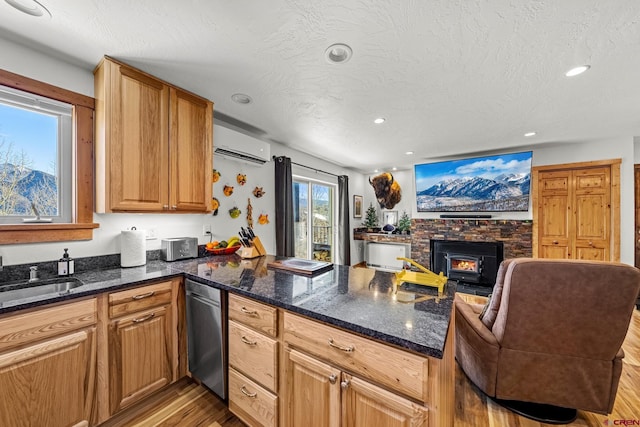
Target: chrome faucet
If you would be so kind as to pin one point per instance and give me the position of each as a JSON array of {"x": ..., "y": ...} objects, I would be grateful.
[{"x": 33, "y": 273}]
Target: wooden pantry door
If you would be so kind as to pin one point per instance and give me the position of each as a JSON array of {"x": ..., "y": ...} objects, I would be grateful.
[{"x": 576, "y": 211}]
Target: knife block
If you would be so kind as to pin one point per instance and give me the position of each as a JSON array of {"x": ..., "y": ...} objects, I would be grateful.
[{"x": 255, "y": 250}]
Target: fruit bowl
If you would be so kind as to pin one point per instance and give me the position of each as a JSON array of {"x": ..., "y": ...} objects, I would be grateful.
[{"x": 224, "y": 251}]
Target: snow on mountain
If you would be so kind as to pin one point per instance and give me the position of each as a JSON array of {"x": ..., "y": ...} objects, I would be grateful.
[{"x": 504, "y": 186}]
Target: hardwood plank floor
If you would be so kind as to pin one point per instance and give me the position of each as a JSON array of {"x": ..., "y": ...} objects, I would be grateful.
[{"x": 187, "y": 404}]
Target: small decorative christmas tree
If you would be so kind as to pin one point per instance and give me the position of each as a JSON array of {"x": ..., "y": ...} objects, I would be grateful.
[
  {"x": 404, "y": 223},
  {"x": 371, "y": 218}
]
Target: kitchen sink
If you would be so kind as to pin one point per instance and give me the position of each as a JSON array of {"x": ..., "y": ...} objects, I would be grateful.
[{"x": 40, "y": 287}]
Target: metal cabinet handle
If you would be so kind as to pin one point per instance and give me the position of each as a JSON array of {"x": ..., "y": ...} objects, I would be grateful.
[
  {"x": 174, "y": 207},
  {"x": 344, "y": 384},
  {"x": 340, "y": 347},
  {"x": 333, "y": 378},
  {"x": 590, "y": 243},
  {"x": 143, "y": 296},
  {"x": 144, "y": 319},
  {"x": 244, "y": 391},
  {"x": 248, "y": 312},
  {"x": 247, "y": 342},
  {"x": 555, "y": 242},
  {"x": 165, "y": 206}
]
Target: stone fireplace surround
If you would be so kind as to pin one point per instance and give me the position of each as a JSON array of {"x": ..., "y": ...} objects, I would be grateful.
[{"x": 516, "y": 236}]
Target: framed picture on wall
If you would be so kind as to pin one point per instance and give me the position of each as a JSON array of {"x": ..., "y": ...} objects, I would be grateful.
[
  {"x": 390, "y": 217},
  {"x": 357, "y": 206}
]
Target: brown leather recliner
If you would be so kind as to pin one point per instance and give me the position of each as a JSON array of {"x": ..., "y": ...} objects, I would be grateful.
[{"x": 551, "y": 333}]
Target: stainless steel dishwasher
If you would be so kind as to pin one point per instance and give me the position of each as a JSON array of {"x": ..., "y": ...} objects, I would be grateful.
[{"x": 205, "y": 339}]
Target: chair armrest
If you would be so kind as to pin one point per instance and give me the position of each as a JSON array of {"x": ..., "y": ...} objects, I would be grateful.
[{"x": 471, "y": 314}]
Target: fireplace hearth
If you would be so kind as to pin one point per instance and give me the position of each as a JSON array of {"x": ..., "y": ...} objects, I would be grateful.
[{"x": 467, "y": 261}]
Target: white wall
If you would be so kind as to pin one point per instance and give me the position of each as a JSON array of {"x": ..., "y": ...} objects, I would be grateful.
[
  {"x": 625, "y": 148},
  {"x": 24, "y": 61}
]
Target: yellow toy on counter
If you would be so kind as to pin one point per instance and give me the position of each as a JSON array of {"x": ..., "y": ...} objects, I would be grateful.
[{"x": 425, "y": 278}]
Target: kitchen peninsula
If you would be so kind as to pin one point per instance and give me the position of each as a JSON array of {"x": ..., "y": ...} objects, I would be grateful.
[{"x": 375, "y": 339}]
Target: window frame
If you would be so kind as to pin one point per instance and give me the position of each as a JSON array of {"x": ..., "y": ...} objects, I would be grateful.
[
  {"x": 19, "y": 99},
  {"x": 81, "y": 225}
]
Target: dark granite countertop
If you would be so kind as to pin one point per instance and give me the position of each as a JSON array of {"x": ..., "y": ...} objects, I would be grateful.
[{"x": 361, "y": 300}]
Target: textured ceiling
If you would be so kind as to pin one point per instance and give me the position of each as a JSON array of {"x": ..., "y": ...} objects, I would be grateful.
[{"x": 451, "y": 77}]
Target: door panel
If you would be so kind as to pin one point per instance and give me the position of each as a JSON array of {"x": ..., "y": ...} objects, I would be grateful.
[
  {"x": 139, "y": 157},
  {"x": 573, "y": 215},
  {"x": 313, "y": 388},
  {"x": 50, "y": 383},
  {"x": 365, "y": 404}
]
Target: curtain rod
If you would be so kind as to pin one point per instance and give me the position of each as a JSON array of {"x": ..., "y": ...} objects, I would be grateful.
[{"x": 313, "y": 169}]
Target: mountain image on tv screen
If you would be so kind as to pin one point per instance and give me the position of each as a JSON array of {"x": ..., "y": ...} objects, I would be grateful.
[{"x": 482, "y": 184}]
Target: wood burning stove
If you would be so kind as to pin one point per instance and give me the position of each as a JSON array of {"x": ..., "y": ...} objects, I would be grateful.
[
  {"x": 464, "y": 268},
  {"x": 466, "y": 261}
]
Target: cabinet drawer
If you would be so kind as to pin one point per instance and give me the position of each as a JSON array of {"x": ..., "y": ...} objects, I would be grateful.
[
  {"x": 399, "y": 370},
  {"x": 258, "y": 316},
  {"x": 253, "y": 354},
  {"x": 132, "y": 300},
  {"x": 250, "y": 402},
  {"x": 22, "y": 328}
]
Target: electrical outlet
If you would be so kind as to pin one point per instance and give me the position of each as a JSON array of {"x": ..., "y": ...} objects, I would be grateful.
[
  {"x": 152, "y": 233},
  {"x": 206, "y": 229}
]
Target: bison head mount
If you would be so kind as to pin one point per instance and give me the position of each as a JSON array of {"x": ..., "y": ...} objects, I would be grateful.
[{"x": 387, "y": 190}]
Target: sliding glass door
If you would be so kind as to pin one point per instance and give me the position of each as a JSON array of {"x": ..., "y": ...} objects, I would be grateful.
[{"x": 314, "y": 219}]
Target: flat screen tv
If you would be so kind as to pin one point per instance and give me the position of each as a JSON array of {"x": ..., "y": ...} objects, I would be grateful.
[{"x": 498, "y": 183}]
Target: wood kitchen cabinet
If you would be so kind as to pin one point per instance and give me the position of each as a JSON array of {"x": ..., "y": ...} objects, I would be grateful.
[
  {"x": 322, "y": 395},
  {"x": 253, "y": 361},
  {"x": 48, "y": 366},
  {"x": 142, "y": 343},
  {"x": 333, "y": 377},
  {"x": 153, "y": 143}
]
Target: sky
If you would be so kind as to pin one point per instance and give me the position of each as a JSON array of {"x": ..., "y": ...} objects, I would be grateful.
[
  {"x": 32, "y": 132},
  {"x": 429, "y": 174}
]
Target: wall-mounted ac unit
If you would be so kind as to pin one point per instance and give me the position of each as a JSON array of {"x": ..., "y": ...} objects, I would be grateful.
[{"x": 238, "y": 146}]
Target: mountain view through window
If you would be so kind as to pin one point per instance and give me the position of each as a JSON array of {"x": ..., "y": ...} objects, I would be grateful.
[{"x": 30, "y": 144}]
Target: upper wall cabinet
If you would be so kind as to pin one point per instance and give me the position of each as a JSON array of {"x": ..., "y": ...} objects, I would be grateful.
[{"x": 153, "y": 143}]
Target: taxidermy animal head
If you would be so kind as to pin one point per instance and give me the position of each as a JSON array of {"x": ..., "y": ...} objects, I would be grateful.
[{"x": 387, "y": 190}]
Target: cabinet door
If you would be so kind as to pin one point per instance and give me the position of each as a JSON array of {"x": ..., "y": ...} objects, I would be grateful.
[
  {"x": 312, "y": 392},
  {"x": 140, "y": 355},
  {"x": 554, "y": 212},
  {"x": 139, "y": 143},
  {"x": 593, "y": 214},
  {"x": 50, "y": 383},
  {"x": 366, "y": 405},
  {"x": 191, "y": 160}
]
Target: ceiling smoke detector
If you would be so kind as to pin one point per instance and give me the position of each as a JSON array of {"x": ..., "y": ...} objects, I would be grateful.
[
  {"x": 30, "y": 7},
  {"x": 338, "y": 53},
  {"x": 241, "y": 98}
]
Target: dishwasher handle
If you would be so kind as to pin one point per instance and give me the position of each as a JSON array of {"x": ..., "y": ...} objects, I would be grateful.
[{"x": 203, "y": 299}]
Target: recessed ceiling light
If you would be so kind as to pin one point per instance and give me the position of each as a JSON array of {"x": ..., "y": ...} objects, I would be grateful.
[
  {"x": 379, "y": 120},
  {"x": 30, "y": 7},
  {"x": 408, "y": 153},
  {"x": 338, "y": 53},
  {"x": 394, "y": 168},
  {"x": 241, "y": 98},
  {"x": 376, "y": 171},
  {"x": 577, "y": 70},
  {"x": 528, "y": 134}
]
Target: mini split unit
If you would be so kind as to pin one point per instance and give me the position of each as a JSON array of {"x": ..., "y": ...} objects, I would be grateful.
[{"x": 238, "y": 146}]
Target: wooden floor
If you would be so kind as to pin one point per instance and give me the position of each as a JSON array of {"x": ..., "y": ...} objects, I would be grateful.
[{"x": 186, "y": 404}]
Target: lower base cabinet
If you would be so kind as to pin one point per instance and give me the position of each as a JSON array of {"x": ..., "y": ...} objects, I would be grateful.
[
  {"x": 251, "y": 402},
  {"x": 318, "y": 394},
  {"x": 141, "y": 351},
  {"x": 48, "y": 366}
]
